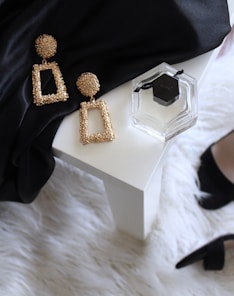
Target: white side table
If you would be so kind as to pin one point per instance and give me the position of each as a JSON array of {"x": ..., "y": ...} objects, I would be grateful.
[{"x": 131, "y": 165}]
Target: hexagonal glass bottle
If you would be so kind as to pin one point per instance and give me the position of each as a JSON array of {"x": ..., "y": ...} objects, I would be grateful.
[{"x": 164, "y": 102}]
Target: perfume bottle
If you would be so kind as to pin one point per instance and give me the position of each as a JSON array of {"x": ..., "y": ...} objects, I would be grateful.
[{"x": 164, "y": 102}]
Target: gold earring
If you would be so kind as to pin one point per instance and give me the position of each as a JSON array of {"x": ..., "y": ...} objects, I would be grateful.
[
  {"x": 46, "y": 46},
  {"x": 88, "y": 84}
]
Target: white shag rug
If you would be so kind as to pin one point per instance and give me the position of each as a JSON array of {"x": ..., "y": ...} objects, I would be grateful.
[{"x": 65, "y": 243}]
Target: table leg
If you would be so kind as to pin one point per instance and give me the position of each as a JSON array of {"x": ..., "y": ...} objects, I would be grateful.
[{"x": 134, "y": 210}]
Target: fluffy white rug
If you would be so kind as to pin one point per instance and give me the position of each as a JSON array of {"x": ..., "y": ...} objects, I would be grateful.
[{"x": 65, "y": 243}]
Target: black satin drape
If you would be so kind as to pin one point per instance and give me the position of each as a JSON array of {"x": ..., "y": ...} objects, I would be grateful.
[{"x": 116, "y": 40}]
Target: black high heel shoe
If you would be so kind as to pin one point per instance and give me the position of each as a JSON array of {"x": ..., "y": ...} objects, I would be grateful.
[
  {"x": 212, "y": 181},
  {"x": 212, "y": 254}
]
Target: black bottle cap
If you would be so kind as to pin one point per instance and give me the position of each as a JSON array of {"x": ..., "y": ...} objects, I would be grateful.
[{"x": 166, "y": 89}]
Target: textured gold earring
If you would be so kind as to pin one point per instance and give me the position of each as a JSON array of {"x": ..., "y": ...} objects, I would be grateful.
[
  {"x": 46, "y": 47},
  {"x": 88, "y": 84}
]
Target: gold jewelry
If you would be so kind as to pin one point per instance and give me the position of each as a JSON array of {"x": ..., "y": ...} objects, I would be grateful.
[
  {"x": 46, "y": 46},
  {"x": 88, "y": 84}
]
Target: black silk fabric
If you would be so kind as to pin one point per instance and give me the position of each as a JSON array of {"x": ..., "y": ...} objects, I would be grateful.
[{"x": 116, "y": 40}]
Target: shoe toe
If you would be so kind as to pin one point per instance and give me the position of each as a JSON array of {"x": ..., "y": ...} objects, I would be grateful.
[{"x": 218, "y": 191}]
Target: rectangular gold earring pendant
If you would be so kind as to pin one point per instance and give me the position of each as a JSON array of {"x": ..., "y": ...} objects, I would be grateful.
[
  {"x": 107, "y": 134},
  {"x": 60, "y": 96}
]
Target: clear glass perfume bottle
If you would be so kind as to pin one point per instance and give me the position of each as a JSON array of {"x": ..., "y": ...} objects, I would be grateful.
[{"x": 164, "y": 102}]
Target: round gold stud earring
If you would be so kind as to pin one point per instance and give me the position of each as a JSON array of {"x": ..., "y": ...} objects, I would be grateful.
[
  {"x": 46, "y": 46},
  {"x": 88, "y": 84}
]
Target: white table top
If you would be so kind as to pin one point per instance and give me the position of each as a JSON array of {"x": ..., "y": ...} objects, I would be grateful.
[{"x": 133, "y": 156}]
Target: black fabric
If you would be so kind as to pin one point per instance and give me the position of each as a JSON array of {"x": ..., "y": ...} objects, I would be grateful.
[{"x": 116, "y": 40}]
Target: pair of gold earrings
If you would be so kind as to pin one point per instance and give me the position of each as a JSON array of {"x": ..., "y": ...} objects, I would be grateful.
[{"x": 87, "y": 83}]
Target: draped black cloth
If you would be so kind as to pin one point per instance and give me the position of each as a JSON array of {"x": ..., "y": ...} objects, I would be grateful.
[{"x": 116, "y": 40}]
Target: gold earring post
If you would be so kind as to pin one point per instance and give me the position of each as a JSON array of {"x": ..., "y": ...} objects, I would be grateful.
[
  {"x": 88, "y": 85},
  {"x": 46, "y": 46}
]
